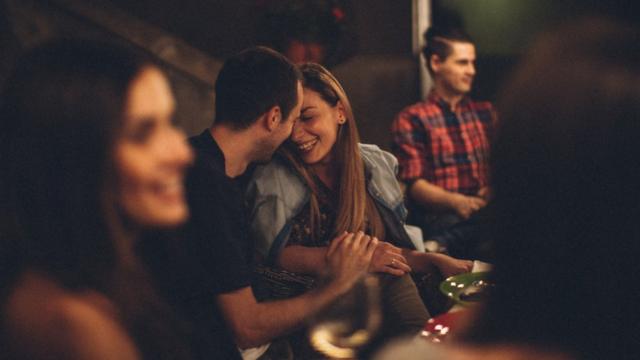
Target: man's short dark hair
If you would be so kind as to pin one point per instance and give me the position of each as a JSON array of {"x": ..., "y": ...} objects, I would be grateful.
[
  {"x": 252, "y": 82},
  {"x": 438, "y": 39}
]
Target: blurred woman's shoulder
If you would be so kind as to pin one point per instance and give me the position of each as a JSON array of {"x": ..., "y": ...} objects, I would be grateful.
[
  {"x": 419, "y": 348},
  {"x": 44, "y": 320}
]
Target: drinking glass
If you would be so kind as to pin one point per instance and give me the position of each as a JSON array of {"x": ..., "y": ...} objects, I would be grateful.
[{"x": 350, "y": 322}]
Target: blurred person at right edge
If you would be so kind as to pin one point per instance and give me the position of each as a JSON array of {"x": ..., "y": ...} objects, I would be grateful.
[{"x": 565, "y": 175}]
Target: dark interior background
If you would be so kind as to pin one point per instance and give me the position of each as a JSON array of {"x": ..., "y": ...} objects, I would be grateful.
[{"x": 191, "y": 38}]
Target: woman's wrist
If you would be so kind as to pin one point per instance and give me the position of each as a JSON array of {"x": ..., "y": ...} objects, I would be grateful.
[{"x": 422, "y": 262}]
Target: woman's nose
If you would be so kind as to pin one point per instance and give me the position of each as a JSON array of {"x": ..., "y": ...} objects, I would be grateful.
[
  {"x": 298, "y": 130},
  {"x": 177, "y": 151}
]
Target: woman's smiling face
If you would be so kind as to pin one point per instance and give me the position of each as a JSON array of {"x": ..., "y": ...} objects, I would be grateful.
[
  {"x": 315, "y": 134},
  {"x": 151, "y": 155}
]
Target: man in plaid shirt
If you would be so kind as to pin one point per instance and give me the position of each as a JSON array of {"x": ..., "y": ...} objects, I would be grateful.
[{"x": 442, "y": 144}]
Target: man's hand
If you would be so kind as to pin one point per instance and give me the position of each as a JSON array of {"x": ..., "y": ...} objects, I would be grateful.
[
  {"x": 348, "y": 257},
  {"x": 388, "y": 258},
  {"x": 465, "y": 206},
  {"x": 437, "y": 199},
  {"x": 485, "y": 193}
]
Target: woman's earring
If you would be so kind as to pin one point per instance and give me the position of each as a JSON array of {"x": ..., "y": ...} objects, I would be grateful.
[{"x": 341, "y": 120}]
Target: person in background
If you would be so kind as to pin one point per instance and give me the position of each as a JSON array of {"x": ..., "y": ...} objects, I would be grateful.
[
  {"x": 258, "y": 99},
  {"x": 307, "y": 31},
  {"x": 324, "y": 183},
  {"x": 565, "y": 181},
  {"x": 90, "y": 160},
  {"x": 442, "y": 143}
]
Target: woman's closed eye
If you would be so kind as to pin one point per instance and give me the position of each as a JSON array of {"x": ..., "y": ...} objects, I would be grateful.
[
  {"x": 141, "y": 132},
  {"x": 307, "y": 115},
  {"x": 143, "y": 128}
]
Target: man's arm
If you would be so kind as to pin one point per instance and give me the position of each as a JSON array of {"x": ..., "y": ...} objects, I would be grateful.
[
  {"x": 254, "y": 324},
  {"x": 436, "y": 198},
  {"x": 412, "y": 148},
  {"x": 303, "y": 259}
]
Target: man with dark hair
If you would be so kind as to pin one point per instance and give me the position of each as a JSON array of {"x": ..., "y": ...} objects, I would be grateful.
[
  {"x": 258, "y": 99},
  {"x": 251, "y": 83},
  {"x": 442, "y": 143}
]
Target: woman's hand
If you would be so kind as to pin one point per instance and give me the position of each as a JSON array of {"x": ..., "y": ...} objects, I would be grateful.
[
  {"x": 388, "y": 258},
  {"x": 449, "y": 266}
]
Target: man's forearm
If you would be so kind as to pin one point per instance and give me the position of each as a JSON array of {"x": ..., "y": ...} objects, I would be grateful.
[
  {"x": 431, "y": 196},
  {"x": 303, "y": 259},
  {"x": 254, "y": 323},
  {"x": 348, "y": 258}
]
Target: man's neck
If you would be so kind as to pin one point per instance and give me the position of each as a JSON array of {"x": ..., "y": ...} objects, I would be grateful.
[
  {"x": 453, "y": 99},
  {"x": 235, "y": 146}
]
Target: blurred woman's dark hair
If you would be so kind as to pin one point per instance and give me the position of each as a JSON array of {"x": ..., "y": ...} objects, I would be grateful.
[
  {"x": 61, "y": 112},
  {"x": 565, "y": 179}
]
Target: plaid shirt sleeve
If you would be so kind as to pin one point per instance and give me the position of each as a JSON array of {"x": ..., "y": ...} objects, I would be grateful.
[{"x": 410, "y": 145}]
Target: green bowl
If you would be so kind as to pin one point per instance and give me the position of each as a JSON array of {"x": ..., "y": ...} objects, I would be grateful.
[{"x": 453, "y": 286}]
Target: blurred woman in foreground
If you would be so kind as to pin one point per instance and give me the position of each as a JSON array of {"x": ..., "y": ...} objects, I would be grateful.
[
  {"x": 90, "y": 160},
  {"x": 566, "y": 174}
]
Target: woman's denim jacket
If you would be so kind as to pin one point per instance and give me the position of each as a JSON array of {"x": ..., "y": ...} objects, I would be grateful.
[{"x": 276, "y": 194}]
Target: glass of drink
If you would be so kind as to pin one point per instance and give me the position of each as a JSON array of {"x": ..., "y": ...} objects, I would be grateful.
[{"x": 348, "y": 323}]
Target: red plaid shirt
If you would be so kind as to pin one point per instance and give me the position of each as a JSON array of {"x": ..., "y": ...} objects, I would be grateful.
[{"x": 448, "y": 149}]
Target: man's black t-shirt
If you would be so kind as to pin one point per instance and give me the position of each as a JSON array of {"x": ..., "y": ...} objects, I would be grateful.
[
  {"x": 218, "y": 229},
  {"x": 214, "y": 256}
]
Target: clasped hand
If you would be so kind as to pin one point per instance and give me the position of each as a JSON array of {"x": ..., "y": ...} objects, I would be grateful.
[{"x": 389, "y": 259}]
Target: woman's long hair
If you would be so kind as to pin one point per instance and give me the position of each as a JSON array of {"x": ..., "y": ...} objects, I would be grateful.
[
  {"x": 61, "y": 113},
  {"x": 356, "y": 209},
  {"x": 565, "y": 174}
]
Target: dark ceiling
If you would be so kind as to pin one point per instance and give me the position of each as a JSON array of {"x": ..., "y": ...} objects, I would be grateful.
[{"x": 223, "y": 27}]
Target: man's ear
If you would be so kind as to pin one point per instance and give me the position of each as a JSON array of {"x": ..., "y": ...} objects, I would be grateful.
[
  {"x": 272, "y": 118},
  {"x": 435, "y": 62}
]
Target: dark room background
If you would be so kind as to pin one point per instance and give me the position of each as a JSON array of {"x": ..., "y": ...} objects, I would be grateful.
[{"x": 376, "y": 61}]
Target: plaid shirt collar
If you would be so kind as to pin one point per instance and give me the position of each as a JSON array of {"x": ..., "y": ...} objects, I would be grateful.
[{"x": 443, "y": 104}]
